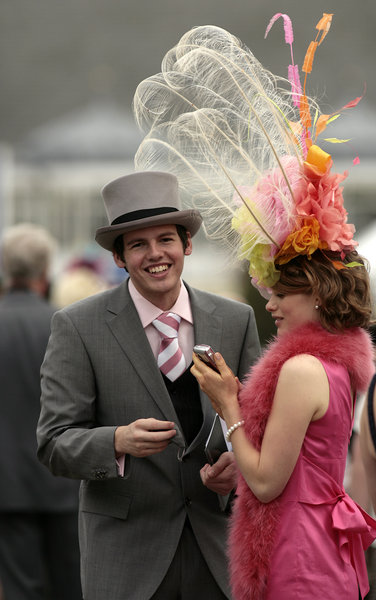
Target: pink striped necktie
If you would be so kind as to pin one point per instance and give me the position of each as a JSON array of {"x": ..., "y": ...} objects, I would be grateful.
[{"x": 171, "y": 360}]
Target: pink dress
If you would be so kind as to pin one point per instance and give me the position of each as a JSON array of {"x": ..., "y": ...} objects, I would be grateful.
[{"x": 318, "y": 552}]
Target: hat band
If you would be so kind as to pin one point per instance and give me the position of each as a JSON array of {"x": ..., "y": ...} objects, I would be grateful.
[{"x": 143, "y": 214}]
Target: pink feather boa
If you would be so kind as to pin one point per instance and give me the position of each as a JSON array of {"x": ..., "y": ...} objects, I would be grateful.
[{"x": 253, "y": 523}]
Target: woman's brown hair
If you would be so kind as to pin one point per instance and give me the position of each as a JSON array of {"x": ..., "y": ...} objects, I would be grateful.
[{"x": 345, "y": 297}]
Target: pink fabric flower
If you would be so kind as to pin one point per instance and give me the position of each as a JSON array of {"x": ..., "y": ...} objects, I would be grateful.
[{"x": 320, "y": 196}]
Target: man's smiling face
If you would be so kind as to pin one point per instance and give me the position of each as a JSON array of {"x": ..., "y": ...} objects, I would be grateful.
[{"x": 154, "y": 259}]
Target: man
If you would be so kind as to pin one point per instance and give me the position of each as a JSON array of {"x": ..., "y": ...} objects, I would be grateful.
[
  {"x": 149, "y": 527},
  {"x": 39, "y": 554}
]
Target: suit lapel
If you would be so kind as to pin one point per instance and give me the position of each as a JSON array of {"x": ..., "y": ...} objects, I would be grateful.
[{"x": 207, "y": 325}]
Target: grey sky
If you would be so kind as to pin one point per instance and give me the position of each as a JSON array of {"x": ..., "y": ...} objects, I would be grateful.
[{"x": 58, "y": 56}]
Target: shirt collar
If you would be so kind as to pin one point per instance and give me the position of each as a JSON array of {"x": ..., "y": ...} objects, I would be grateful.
[{"x": 148, "y": 311}]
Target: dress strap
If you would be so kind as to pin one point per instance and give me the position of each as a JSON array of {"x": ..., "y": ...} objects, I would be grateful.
[{"x": 371, "y": 415}]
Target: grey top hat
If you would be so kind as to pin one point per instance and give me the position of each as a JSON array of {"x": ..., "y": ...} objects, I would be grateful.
[{"x": 143, "y": 199}]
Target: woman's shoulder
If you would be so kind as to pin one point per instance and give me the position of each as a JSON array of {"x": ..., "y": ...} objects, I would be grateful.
[
  {"x": 303, "y": 373},
  {"x": 303, "y": 365},
  {"x": 303, "y": 382}
]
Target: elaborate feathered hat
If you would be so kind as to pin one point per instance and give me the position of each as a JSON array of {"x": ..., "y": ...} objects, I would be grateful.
[{"x": 243, "y": 146}]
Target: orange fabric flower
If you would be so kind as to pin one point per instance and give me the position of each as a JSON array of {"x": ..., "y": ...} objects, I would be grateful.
[{"x": 302, "y": 241}]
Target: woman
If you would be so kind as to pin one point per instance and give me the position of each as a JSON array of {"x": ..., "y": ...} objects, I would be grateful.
[
  {"x": 243, "y": 143},
  {"x": 295, "y": 532}
]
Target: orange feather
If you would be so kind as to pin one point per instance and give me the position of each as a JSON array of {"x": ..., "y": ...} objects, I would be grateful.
[
  {"x": 308, "y": 59},
  {"x": 324, "y": 25}
]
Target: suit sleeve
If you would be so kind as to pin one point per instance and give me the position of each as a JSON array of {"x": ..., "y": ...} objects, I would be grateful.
[{"x": 70, "y": 443}]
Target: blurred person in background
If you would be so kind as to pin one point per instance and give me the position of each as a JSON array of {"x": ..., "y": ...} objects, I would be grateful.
[
  {"x": 363, "y": 462},
  {"x": 79, "y": 280},
  {"x": 39, "y": 554},
  {"x": 356, "y": 478},
  {"x": 368, "y": 440}
]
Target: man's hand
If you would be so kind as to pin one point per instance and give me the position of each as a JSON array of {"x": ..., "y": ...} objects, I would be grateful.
[
  {"x": 143, "y": 437},
  {"x": 222, "y": 476}
]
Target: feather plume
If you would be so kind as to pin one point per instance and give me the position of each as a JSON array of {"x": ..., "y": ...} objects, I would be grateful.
[
  {"x": 289, "y": 35},
  {"x": 293, "y": 70},
  {"x": 220, "y": 122},
  {"x": 323, "y": 26}
]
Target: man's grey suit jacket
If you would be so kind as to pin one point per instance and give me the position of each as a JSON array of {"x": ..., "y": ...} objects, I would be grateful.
[{"x": 99, "y": 372}]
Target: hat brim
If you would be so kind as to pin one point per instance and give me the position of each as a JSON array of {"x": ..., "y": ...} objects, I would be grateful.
[{"x": 190, "y": 219}]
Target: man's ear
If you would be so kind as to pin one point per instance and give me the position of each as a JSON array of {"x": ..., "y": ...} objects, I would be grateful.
[
  {"x": 120, "y": 262},
  {"x": 189, "y": 247}
]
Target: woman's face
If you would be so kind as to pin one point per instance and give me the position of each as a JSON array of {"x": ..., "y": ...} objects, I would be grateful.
[{"x": 292, "y": 310}]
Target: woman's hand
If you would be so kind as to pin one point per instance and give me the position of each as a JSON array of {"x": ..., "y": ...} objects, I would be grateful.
[
  {"x": 222, "y": 476},
  {"x": 221, "y": 388}
]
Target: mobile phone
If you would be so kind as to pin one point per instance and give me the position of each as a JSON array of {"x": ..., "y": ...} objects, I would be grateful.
[{"x": 206, "y": 354}]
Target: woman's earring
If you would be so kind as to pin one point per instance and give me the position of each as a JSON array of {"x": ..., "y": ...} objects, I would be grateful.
[{"x": 317, "y": 307}]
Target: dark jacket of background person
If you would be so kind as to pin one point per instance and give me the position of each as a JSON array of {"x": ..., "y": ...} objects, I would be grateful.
[
  {"x": 38, "y": 512},
  {"x": 25, "y": 484}
]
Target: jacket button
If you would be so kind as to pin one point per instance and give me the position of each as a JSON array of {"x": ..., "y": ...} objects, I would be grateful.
[{"x": 187, "y": 501}]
